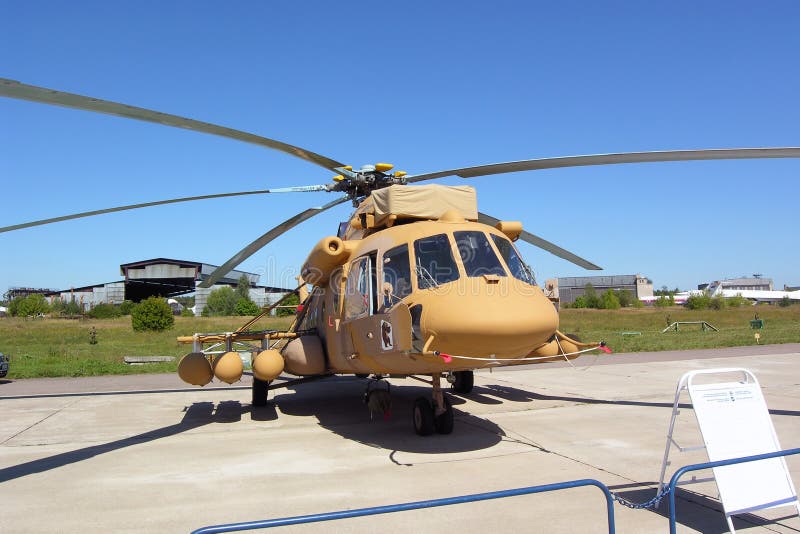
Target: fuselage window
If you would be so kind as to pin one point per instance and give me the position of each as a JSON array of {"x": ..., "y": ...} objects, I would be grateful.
[
  {"x": 434, "y": 261},
  {"x": 314, "y": 309},
  {"x": 515, "y": 264},
  {"x": 477, "y": 254},
  {"x": 396, "y": 275},
  {"x": 360, "y": 294}
]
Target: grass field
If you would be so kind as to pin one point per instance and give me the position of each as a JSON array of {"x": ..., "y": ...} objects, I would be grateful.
[
  {"x": 781, "y": 325},
  {"x": 60, "y": 347}
]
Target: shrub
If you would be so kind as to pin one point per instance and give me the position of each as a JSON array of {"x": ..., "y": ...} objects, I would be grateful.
[
  {"x": 247, "y": 307},
  {"x": 30, "y": 305},
  {"x": 698, "y": 302},
  {"x": 716, "y": 303},
  {"x": 187, "y": 312},
  {"x": 626, "y": 298},
  {"x": 662, "y": 302},
  {"x": 736, "y": 301},
  {"x": 68, "y": 308},
  {"x": 126, "y": 307},
  {"x": 591, "y": 298},
  {"x": 785, "y": 302},
  {"x": 221, "y": 301},
  {"x": 291, "y": 300},
  {"x": 580, "y": 302},
  {"x": 610, "y": 300},
  {"x": 104, "y": 311},
  {"x": 153, "y": 314}
]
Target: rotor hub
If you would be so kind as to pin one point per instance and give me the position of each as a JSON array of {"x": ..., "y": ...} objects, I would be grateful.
[{"x": 359, "y": 184}]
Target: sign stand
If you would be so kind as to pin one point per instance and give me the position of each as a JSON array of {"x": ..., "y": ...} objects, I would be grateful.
[{"x": 734, "y": 422}]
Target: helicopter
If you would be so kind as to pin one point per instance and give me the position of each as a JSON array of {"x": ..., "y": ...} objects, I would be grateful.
[{"x": 417, "y": 283}]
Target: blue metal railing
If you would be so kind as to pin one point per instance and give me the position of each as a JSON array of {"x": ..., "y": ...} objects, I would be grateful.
[
  {"x": 361, "y": 512},
  {"x": 696, "y": 467},
  {"x": 314, "y": 518}
]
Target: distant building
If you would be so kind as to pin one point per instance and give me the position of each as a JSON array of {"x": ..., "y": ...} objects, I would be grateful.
[
  {"x": 164, "y": 277},
  {"x": 756, "y": 289},
  {"x": 566, "y": 290},
  {"x": 756, "y": 283},
  {"x": 22, "y": 292}
]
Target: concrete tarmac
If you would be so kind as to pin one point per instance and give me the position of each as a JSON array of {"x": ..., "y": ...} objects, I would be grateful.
[{"x": 144, "y": 453}]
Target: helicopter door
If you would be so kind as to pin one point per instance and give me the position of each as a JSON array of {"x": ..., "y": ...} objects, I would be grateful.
[{"x": 372, "y": 332}]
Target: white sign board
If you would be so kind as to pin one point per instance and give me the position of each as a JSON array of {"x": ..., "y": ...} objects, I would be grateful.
[{"x": 735, "y": 422}]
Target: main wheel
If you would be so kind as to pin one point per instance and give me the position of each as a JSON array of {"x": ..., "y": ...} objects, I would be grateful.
[
  {"x": 260, "y": 392},
  {"x": 464, "y": 381},
  {"x": 444, "y": 421},
  {"x": 424, "y": 423}
]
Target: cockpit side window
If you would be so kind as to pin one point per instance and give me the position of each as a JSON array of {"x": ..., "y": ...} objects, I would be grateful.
[
  {"x": 396, "y": 275},
  {"x": 515, "y": 264},
  {"x": 360, "y": 295},
  {"x": 477, "y": 254},
  {"x": 434, "y": 261}
]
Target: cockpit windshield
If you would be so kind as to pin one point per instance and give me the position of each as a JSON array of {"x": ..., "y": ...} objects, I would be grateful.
[
  {"x": 477, "y": 254},
  {"x": 434, "y": 261},
  {"x": 515, "y": 264}
]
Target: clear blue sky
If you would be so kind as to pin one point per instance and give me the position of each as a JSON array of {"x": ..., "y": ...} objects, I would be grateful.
[{"x": 423, "y": 85}]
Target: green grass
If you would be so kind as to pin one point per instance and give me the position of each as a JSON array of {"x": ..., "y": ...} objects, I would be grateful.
[
  {"x": 781, "y": 325},
  {"x": 60, "y": 347}
]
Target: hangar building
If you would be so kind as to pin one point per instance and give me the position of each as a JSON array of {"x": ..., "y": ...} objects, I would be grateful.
[
  {"x": 166, "y": 278},
  {"x": 570, "y": 288}
]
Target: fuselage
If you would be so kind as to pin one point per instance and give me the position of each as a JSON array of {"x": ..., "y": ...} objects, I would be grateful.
[{"x": 457, "y": 289}]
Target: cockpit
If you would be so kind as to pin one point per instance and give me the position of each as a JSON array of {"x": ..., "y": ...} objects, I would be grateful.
[{"x": 437, "y": 259}]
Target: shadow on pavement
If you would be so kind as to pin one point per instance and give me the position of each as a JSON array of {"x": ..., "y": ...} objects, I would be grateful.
[
  {"x": 696, "y": 511},
  {"x": 337, "y": 404},
  {"x": 197, "y": 415}
]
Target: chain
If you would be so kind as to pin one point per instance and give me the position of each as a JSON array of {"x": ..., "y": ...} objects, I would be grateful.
[{"x": 652, "y": 503}]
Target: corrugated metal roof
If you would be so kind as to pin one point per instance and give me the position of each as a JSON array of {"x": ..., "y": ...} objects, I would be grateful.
[{"x": 598, "y": 281}]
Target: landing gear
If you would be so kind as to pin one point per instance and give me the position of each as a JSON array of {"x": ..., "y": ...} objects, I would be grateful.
[
  {"x": 444, "y": 421},
  {"x": 260, "y": 392},
  {"x": 435, "y": 414},
  {"x": 461, "y": 381},
  {"x": 424, "y": 419}
]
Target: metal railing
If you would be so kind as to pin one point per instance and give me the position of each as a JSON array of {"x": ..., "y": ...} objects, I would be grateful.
[
  {"x": 329, "y": 516},
  {"x": 708, "y": 465},
  {"x": 418, "y": 505}
]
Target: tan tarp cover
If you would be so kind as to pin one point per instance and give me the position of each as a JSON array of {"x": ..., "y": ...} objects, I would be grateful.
[{"x": 421, "y": 202}]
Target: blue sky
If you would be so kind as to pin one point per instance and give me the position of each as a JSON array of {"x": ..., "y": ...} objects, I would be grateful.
[{"x": 424, "y": 85}]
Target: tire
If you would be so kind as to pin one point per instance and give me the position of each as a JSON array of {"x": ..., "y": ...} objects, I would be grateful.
[
  {"x": 424, "y": 424},
  {"x": 260, "y": 392},
  {"x": 464, "y": 381},
  {"x": 444, "y": 422}
]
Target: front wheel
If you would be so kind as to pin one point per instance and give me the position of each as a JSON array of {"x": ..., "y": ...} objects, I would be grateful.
[
  {"x": 444, "y": 421},
  {"x": 260, "y": 392},
  {"x": 424, "y": 419},
  {"x": 463, "y": 381}
]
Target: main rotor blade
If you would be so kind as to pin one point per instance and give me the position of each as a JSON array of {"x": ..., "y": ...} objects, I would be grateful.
[
  {"x": 544, "y": 244},
  {"x": 15, "y": 89},
  {"x": 302, "y": 189},
  {"x": 612, "y": 159},
  {"x": 256, "y": 245}
]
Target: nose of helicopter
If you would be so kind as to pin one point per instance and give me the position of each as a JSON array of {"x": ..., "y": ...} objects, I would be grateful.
[{"x": 505, "y": 318}]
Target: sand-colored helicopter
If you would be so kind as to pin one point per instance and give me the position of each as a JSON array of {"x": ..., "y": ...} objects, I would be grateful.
[{"x": 416, "y": 283}]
